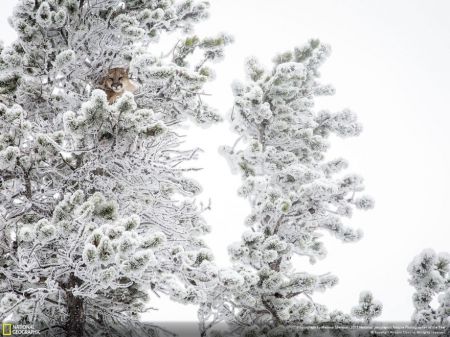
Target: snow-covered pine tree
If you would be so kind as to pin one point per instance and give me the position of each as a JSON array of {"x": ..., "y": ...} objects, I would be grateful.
[
  {"x": 296, "y": 194},
  {"x": 95, "y": 208},
  {"x": 368, "y": 308},
  {"x": 430, "y": 276},
  {"x": 86, "y": 258}
]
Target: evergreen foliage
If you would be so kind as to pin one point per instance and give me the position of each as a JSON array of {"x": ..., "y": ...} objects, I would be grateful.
[
  {"x": 296, "y": 193},
  {"x": 368, "y": 308},
  {"x": 430, "y": 276},
  {"x": 96, "y": 210}
]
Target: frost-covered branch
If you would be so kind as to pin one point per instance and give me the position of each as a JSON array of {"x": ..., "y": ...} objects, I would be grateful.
[{"x": 430, "y": 276}]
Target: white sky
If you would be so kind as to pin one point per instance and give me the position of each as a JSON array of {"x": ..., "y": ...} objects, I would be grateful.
[{"x": 390, "y": 65}]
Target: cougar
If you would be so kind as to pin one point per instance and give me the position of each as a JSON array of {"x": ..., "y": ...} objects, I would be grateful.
[{"x": 116, "y": 82}]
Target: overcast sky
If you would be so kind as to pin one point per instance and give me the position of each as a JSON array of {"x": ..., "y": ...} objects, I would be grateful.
[{"x": 390, "y": 64}]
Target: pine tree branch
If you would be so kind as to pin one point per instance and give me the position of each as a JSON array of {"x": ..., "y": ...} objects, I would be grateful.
[{"x": 268, "y": 305}]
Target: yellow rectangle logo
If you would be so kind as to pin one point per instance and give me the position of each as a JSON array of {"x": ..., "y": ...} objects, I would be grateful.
[{"x": 6, "y": 329}]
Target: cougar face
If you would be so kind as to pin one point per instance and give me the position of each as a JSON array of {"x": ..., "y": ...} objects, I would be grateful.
[
  {"x": 115, "y": 79},
  {"x": 116, "y": 83}
]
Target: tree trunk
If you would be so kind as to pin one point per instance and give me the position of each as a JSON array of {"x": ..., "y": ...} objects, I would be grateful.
[{"x": 75, "y": 307}]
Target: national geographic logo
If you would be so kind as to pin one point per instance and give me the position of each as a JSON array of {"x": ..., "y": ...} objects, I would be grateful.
[
  {"x": 6, "y": 329},
  {"x": 10, "y": 329}
]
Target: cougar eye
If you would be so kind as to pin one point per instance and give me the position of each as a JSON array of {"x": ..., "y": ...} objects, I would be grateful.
[
  {"x": 111, "y": 79},
  {"x": 120, "y": 78}
]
